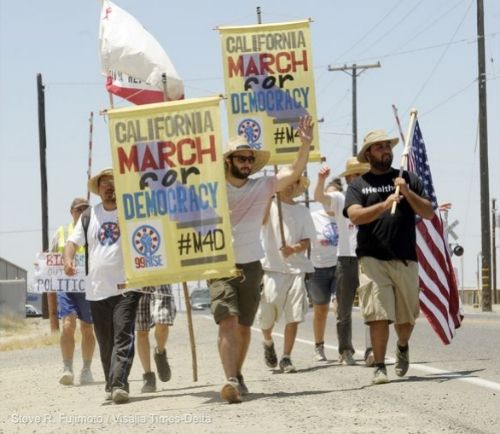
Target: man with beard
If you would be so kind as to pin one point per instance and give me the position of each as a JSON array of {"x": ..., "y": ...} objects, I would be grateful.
[
  {"x": 387, "y": 248},
  {"x": 113, "y": 311},
  {"x": 234, "y": 301}
]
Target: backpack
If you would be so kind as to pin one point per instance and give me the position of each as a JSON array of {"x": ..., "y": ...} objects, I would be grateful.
[{"x": 85, "y": 224}]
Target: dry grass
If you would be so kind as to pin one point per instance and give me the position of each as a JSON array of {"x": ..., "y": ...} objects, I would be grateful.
[{"x": 18, "y": 334}]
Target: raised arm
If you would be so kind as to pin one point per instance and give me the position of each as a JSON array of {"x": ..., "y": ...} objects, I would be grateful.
[
  {"x": 319, "y": 191},
  {"x": 287, "y": 176}
]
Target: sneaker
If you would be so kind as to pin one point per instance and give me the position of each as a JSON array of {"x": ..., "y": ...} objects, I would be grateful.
[
  {"x": 346, "y": 358},
  {"x": 242, "y": 386},
  {"x": 380, "y": 375},
  {"x": 162, "y": 366},
  {"x": 286, "y": 365},
  {"x": 319, "y": 353},
  {"x": 230, "y": 391},
  {"x": 402, "y": 362},
  {"x": 369, "y": 358},
  {"x": 148, "y": 382},
  {"x": 66, "y": 378},
  {"x": 107, "y": 395},
  {"x": 119, "y": 396},
  {"x": 270, "y": 356},
  {"x": 86, "y": 376}
]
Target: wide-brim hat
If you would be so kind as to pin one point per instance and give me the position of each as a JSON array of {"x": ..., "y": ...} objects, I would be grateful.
[
  {"x": 240, "y": 143},
  {"x": 375, "y": 136},
  {"x": 301, "y": 187},
  {"x": 353, "y": 167},
  {"x": 93, "y": 184}
]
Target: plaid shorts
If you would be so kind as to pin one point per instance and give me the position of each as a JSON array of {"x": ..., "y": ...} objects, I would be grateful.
[{"x": 157, "y": 307}]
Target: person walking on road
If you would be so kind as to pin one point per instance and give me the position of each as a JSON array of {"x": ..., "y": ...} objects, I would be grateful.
[
  {"x": 234, "y": 301},
  {"x": 285, "y": 267},
  {"x": 73, "y": 305},
  {"x": 347, "y": 279},
  {"x": 113, "y": 310},
  {"x": 156, "y": 309},
  {"x": 389, "y": 290}
]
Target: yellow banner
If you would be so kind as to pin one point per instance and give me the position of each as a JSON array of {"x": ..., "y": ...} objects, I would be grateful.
[
  {"x": 171, "y": 192},
  {"x": 269, "y": 85}
]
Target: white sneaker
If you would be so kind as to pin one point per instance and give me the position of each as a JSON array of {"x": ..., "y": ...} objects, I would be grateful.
[
  {"x": 319, "y": 354},
  {"x": 346, "y": 358},
  {"x": 66, "y": 378},
  {"x": 86, "y": 376}
]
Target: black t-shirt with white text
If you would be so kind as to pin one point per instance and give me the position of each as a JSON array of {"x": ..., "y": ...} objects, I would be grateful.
[{"x": 390, "y": 236}]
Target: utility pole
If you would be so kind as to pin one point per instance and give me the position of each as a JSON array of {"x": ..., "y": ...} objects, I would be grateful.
[
  {"x": 356, "y": 70},
  {"x": 483, "y": 165},
  {"x": 494, "y": 248}
]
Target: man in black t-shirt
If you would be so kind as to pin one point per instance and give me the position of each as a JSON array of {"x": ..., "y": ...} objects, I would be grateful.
[{"x": 387, "y": 248}]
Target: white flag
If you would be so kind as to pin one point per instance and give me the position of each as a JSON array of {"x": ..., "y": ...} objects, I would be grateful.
[{"x": 127, "y": 48}]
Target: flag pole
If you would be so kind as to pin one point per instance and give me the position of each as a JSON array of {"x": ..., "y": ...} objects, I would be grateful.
[
  {"x": 406, "y": 150},
  {"x": 89, "y": 170},
  {"x": 184, "y": 283},
  {"x": 191, "y": 330}
]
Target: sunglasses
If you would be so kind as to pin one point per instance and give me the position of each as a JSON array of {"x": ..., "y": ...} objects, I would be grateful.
[
  {"x": 80, "y": 208},
  {"x": 243, "y": 159}
]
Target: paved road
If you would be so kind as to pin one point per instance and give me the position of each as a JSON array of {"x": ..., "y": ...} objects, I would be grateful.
[{"x": 453, "y": 389}]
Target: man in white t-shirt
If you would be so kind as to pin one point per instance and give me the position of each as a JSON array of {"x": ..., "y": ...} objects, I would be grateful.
[
  {"x": 112, "y": 310},
  {"x": 347, "y": 280},
  {"x": 285, "y": 266},
  {"x": 235, "y": 301}
]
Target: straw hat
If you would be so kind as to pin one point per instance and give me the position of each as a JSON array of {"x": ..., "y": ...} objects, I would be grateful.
[
  {"x": 301, "y": 187},
  {"x": 240, "y": 143},
  {"x": 375, "y": 136},
  {"x": 93, "y": 184},
  {"x": 353, "y": 166}
]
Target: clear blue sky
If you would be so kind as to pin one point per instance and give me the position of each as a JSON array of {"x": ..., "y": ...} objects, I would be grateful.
[{"x": 427, "y": 49}]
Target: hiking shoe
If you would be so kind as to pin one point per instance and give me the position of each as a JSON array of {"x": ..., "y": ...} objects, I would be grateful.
[
  {"x": 162, "y": 366},
  {"x": 270, "y": 356},
  {"x": 380, "y": 375},
  {"x": 402, "y": 362},
  {"x": 230, "y": 391},
  {"x": 119, "y": 396},
  {"x": 286, "y": 365},
  {"x": 148, "y": 382},
  {"x": 66, "y": 378},
  {"x": 346, "y": 358},
  {"x": 241, "y": 385},
  {"x": 319, "y": 353},
  {"x": 86, "y": 376},
  {"x": 369, "y": 358}
]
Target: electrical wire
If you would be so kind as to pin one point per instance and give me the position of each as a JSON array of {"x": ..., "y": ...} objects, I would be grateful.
[
  {"x": 377, "y": 24},
  {"x": 434, "y": 69}
]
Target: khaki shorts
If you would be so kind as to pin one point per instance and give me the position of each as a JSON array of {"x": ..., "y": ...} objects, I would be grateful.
[
  {"x": 282, "y": 294},
  {"x": 237, "y": 296},
  {"x": 388, "y": 290}
]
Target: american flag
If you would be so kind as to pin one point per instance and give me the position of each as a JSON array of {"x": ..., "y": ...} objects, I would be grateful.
[{"x": 439, "y": 298}]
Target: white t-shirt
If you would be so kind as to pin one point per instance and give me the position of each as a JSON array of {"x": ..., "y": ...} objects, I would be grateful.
[
  {"x": 106, "y": 269},
  {"x": 324, "y": 248},
  {"x": 247, "y": 205},
  {"x": 297, "y": 225},
  {"x": 347, "y": 230}
]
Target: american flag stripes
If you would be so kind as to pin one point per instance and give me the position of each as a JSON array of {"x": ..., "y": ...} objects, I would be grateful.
[{"x": 439, "y": 299}]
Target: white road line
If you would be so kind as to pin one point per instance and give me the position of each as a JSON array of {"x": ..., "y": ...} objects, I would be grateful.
[{"x": 491, "y": 385}]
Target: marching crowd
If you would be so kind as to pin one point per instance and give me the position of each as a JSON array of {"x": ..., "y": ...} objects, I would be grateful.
[{"x": 356, "y": 245}]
